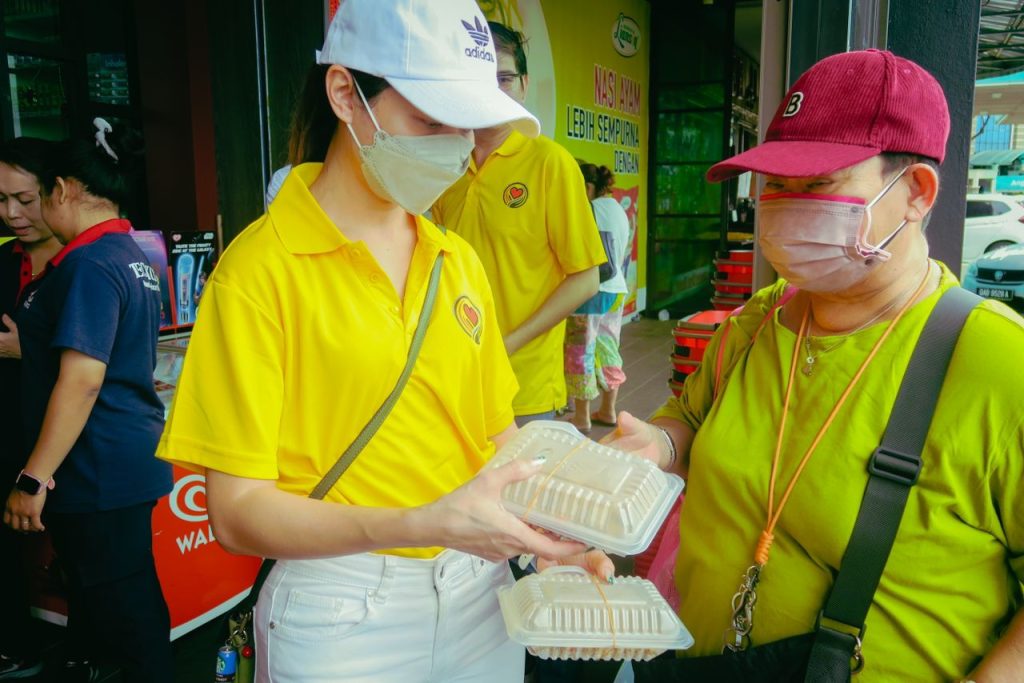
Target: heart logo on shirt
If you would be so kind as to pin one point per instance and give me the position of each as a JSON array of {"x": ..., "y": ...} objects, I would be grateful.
[
  {"x": 515, "y": 195},
  {"x": 469, "y": 317},
  {"x": 471, "y": 314}
]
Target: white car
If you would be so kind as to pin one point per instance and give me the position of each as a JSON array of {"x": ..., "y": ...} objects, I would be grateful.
[{"x": 993, "y": 221}]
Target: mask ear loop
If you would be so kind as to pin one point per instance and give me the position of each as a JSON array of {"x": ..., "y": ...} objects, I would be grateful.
[
  {"x": 878, "y": 250},
  {"x": 369, "y": 111}
]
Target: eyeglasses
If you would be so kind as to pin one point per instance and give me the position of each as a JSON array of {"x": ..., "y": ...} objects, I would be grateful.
[{"x": 507, "y": 79}]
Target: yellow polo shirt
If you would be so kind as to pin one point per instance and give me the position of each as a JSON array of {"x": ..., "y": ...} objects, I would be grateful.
[
  {"x": 527, "y": 215},
  {"x": 301, "y": 336},
  {"x": 953, "y": 579}
]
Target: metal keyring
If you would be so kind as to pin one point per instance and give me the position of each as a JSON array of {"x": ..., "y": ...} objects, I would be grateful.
[{"x": 858, "y": 659}]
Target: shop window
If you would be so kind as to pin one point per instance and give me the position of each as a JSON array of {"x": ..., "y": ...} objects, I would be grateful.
[
  {"x": 38, "y": 96},
  {"x": 689, "y": 136},
  {"x": 36, "y": 21}
]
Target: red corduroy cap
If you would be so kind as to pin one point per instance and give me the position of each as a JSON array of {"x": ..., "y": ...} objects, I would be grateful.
[{"x": 845, "y": 109}]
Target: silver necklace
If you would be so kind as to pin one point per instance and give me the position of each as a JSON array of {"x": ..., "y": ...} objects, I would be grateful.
[{"x": 812, "y": 356}]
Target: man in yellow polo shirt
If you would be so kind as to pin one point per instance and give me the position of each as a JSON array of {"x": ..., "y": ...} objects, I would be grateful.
[{"x": 523, "y": 206}]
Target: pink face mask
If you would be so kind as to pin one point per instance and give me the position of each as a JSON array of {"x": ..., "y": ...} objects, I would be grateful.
[{"x": 819, "y": 242}]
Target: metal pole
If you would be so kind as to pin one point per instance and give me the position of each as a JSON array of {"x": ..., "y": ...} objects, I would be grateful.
[
  {"x": 774, "y": 68},
  {"x": 869, "y": 22},
  {"x": 943, "y": 38}
]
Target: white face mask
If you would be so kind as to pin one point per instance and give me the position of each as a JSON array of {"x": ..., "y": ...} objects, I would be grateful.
[
  {"x": 819, "y": 242},
  {"x": 411, "y": 170}
]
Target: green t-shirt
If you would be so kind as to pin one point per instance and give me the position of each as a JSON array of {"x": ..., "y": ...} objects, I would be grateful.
[{"x": 953, "y": 579}]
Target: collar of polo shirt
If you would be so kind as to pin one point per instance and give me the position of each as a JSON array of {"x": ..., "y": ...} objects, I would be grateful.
[{"x": 304, "y": 228}]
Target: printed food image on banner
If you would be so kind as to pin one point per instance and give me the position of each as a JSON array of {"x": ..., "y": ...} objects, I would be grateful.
[
  {"x": 191, "y": 256},
  {"x": 151, "y": 242}
]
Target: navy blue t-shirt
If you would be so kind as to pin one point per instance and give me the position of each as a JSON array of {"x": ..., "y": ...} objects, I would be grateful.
[
  {"x": 15, "y": 285},
  {"x": 103, "y": 300}
]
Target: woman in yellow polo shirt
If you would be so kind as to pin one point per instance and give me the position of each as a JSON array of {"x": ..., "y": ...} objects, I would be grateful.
[{"x": 305, "y": 327}]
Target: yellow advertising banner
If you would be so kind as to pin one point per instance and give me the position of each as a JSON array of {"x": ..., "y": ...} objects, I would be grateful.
[{"x": 589, "y": 71}]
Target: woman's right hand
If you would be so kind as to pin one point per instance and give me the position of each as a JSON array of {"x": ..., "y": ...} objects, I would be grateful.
[
  {"x": 635, "y": 436},
  {"x": 471, "y": 519}
]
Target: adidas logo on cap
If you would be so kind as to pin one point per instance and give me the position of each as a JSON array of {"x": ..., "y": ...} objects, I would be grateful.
[{"x": 481, "y": 35}]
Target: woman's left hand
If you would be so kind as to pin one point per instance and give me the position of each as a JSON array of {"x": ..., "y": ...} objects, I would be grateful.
[
  {"x": 594, "y": 561},
  {"x": 24, "y": 512},
  {"x": 10, "y": 344}
]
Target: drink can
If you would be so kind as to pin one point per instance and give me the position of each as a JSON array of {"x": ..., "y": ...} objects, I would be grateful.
[{"x": 227, "y": 664}]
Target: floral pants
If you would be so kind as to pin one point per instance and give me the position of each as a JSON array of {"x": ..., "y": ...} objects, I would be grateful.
[{"x": 592, "y": 360}]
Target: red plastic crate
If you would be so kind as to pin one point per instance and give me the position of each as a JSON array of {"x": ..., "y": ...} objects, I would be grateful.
[
  {"x": 734, "y": 271},
  {"x": 693, "y": 353},
  {"x": 702, "y": 321},
  {"x": 745, "y": 255},
  {"x": 729, "y": 304},
  {"x": 684, "y": 337},
  {"x": 684, "y": 365},
  {"x": 735, "y": 288}
]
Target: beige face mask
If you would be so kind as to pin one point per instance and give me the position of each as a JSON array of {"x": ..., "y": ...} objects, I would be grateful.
[
  {"x": 819, "y": 242},
  {"x": 411, "y": 170}
]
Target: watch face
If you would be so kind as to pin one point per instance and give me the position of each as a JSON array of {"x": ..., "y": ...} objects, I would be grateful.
[{"x": 28, "y": 484}]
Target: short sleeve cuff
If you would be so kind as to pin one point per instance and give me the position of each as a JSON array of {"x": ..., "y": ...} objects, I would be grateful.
[
  {"x": 101, "y": 355},
  {"x": 673, "y": 410},
  {"x": 197, "y": 456},
  {"x": 501, "y": 421}
]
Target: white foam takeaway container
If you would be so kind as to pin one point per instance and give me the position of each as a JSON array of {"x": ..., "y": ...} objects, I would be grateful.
[
  {"x": 560, "y": 614},
  {"x": 604, "y": 497}
]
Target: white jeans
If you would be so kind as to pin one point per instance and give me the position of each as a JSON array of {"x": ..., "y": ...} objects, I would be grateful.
[{"x": 380, "y": 618}]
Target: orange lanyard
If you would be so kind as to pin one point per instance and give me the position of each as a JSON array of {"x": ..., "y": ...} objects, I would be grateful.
[{"x": 743, "y": 601}]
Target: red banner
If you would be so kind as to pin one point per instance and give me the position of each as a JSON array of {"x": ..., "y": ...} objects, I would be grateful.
[{"x": 200, "y": 579}]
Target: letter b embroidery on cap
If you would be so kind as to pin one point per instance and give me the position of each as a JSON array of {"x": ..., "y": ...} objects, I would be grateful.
[{"x": 795, "y": 100}]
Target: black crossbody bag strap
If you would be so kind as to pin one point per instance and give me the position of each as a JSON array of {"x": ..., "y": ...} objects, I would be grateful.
[
  {"x": 364, "y": 436},
  {"x": 894, "y": 468}
]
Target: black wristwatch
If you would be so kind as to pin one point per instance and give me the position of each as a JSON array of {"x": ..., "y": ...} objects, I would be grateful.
[{"x": 30, "y": 485}]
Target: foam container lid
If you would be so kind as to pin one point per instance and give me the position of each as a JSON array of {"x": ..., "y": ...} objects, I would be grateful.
[
  {"x": 604, "y": 497},
  {"x": 560, "y": 614}
]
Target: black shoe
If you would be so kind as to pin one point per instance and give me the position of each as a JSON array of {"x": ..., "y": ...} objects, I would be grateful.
[
  {"x": 11, "y": 668},
  {"x": 79, "y": 672}
]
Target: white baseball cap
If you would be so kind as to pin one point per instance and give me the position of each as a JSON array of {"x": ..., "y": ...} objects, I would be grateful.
[{"x": 438, "y": 54}]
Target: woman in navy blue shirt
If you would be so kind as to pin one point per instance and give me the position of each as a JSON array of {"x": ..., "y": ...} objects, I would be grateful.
[
  {"x": 88, "y": 337},
  {"x": 22, "y": 262}
]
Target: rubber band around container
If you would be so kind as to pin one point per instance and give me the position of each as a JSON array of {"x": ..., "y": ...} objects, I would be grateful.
[
  {"x": 543, "y": 483},
  {"x": 529, "y": 508},
  {"x": 607, "y": 607},
  {"x": 573, "y": 569}
]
